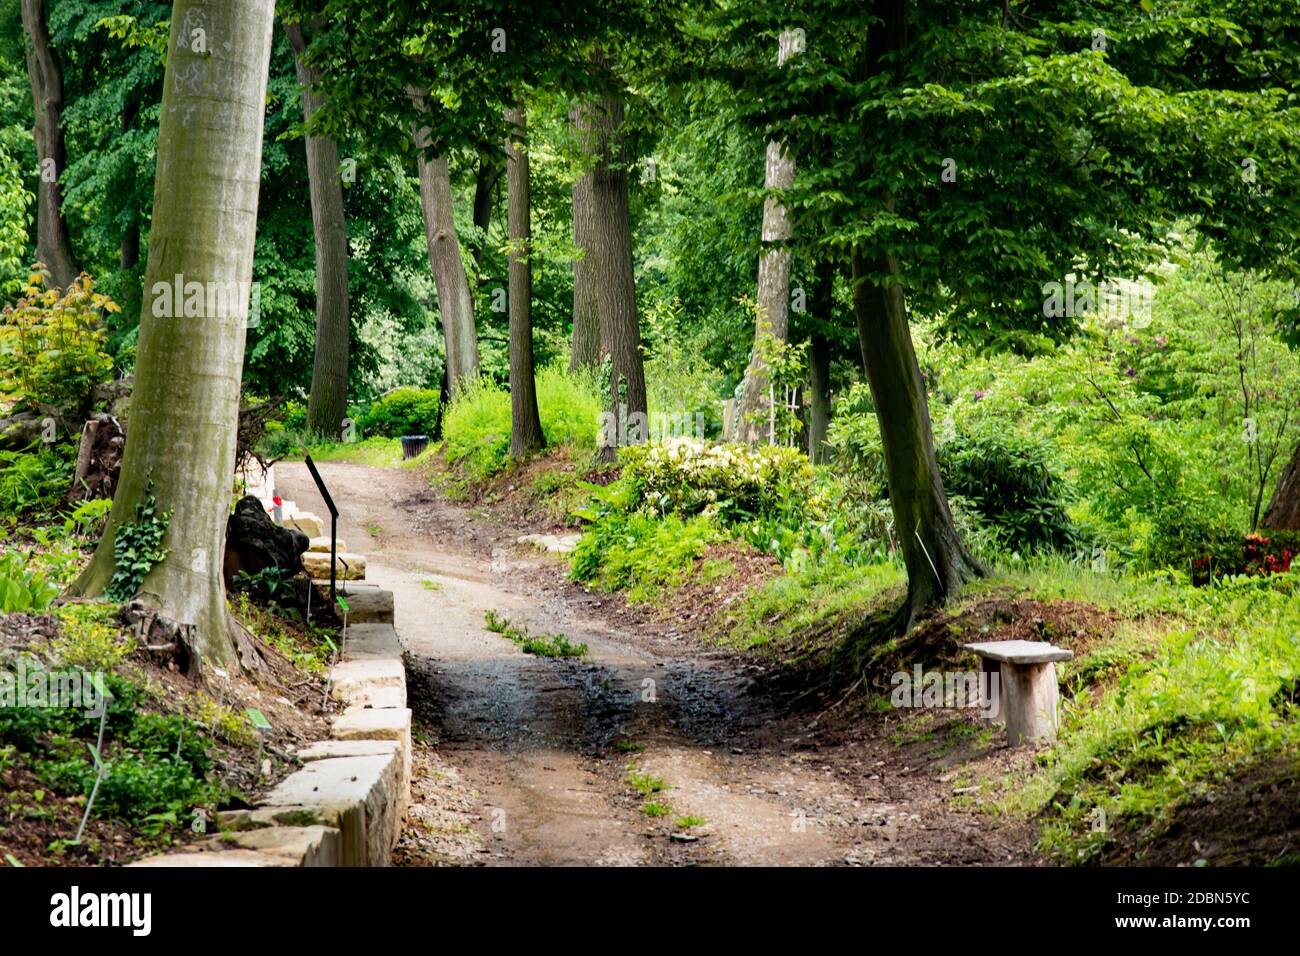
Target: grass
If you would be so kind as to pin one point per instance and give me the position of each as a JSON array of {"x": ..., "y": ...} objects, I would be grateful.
[
  {"x": 430, "y": 585},
  {"x": 652, "y": 808},
  {"x": 645, "y": 784},
  {"x": 541, "y": 645},
  {"x": 629, "y": 747},
  {"x": 688, "y": 822}
]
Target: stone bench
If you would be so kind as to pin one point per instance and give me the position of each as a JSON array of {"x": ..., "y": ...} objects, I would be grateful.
[{"x": 1027, "y": 693}]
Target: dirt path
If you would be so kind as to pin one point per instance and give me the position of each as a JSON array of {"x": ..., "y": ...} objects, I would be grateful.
[{"x": 533, "y": 742}]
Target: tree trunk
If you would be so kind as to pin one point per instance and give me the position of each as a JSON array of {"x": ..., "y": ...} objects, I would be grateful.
[
  {"x": 610, "y": 271},
  {"x": 772, "y": 305},
  {"x": 185, "y": 403},
  {"x": 53, "y": 245},
  {"x": 819, "y": 367},
  {"x": 525, "y": 423},
  {"x": 1283, "y": 512},
  {"x": 327, "y": 405},
  {"x": 586, "y": 316},
  {"x": 938, "y": 564},
  {"x": 454, "y": 300},
  {"x": 489, "y": 171}
]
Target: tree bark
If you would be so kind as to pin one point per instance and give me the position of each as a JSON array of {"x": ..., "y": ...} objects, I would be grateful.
[
  {"x": 937, "y": 561},
  {"x": 525, "y": 422},
  {"x": 327, "y": 404},
  {"x": 1283, "y": 513},
  {"x": 53, "y": 245},
  {"x": 772, "y": 304},
  {"x": 489, "y": 172},
  {"x": 185, "y": 403},
  {"x": 586, "y": 315},
  {"x": 822, "y": 300},
  {"x": 454, "y": 300},
  {"x": 610, "y": 270}
]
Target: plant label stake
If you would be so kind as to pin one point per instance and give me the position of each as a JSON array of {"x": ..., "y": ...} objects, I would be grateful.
[
  {"x": 105, "y": 695},
  {"x": 262, "y": 726}
]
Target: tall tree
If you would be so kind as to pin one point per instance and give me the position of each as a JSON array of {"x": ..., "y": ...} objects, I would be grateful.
[
  {"x": 525, "y": 422},
  {"x": 185, "y": 403},
  {"x": 53, "y": 245},
  {"x": 327, "y": 405},
  {"x": 610, "y": 269},
  {"x": 585, "y": 351},
  {"x": 772, "y": 303},
  {"x": 455, "y": 303}
]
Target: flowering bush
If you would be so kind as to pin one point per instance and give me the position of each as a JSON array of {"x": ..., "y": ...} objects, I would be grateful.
[{"x": 730, "y": 482}]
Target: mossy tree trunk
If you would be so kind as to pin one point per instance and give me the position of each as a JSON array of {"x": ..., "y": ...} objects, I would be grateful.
[{"x": 525, "y": 423}]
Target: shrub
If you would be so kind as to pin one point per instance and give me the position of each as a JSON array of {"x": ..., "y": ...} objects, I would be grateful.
[
  {"x": 33, "y": 480},
  {"x": 22, "y": 588},
  {"x": 404, "y": 411},
  {"x": 88, "y": 638},
  {"x": 476, "y": 428},
  {"x": 733, "y": 482},
  {"x": 52, "y": 348},
  {"x": 1009, "y": 482},
  {"x": 640, "y": 552}
]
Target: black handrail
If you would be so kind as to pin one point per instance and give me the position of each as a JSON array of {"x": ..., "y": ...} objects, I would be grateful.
[{"x": 334, "y": 522}]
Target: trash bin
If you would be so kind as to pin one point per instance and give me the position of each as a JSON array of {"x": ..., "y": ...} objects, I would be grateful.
[{"x": 412, "y": 445}]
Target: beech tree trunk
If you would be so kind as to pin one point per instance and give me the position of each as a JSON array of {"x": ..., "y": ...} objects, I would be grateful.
[
  {"x": 53, "y": 245},
  {"x": 1283, "y": 513},
  {"x": 525, "y": 423},
  {"x": 586, "y": 315},
  {"x": 455, "y": 303},
  {"x": 610, "y": 270},
  {"x": 772, "y": 304},
  {"x": 185, "y": 402},
  {"x": 937, "y": 561},
  {"x": 327, "y": 404}
]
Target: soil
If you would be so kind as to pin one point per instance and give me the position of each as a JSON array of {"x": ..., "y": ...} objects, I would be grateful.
[{"x": 524, "y": 760}]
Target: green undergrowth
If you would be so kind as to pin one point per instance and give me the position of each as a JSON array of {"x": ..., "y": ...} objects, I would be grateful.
[{"x": 541, "y": 645}]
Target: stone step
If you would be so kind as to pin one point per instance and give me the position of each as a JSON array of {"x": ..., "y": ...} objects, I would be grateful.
[
  {"x": 363, "y": 797},
  {"x": 368, "y": 642},
  {"x": 367, "y": 603},
  {"x": 306, "y": 522},
  {"x": 359, "y": 681},
  {"x": 323, "y": 544},
  {"x": 347, "y": 566}
]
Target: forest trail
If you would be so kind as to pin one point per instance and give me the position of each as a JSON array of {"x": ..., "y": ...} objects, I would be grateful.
[{"x": 534, "y": 741}]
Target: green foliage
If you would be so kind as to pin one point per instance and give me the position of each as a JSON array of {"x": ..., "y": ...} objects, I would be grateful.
[
  {"x": 405, "y": 411},
  {"x": 52, "y": 346},
  {"x": 14, "y": 200},
  {"x": 1217, "y": 696},
  {"x": 137, "y": 547},
  {"x": 731, "y": 482},
  {"x": 34, "y": 480},
  {"x": 542, "y": 645},
  {"x": 23, "y": 588},
  {"x": 89, "y": 638},
  {"x": 642, "y": 553},
  {"x": 476, "y": 429},
  {"x": 1009, "y": 481},
  {"x": 154, "y": 764}
]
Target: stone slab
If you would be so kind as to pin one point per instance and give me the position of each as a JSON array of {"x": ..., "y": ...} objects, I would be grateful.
[
  {"x": 362, "y": 681},
  {"x": 348, "y": 566},
  {"x": 1020, "y": 652},
  {"x": 371, "y": 641}
]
